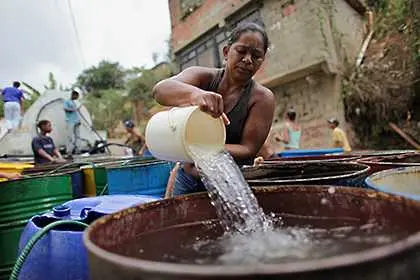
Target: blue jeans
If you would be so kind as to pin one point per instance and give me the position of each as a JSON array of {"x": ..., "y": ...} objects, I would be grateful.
[{"x": 186, "y": 183}]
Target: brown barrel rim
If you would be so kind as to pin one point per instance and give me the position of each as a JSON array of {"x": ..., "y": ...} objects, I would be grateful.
[{"x": 344, "y": 260}]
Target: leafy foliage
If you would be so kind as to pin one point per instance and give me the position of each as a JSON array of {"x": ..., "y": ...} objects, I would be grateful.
[
  {"x": 108, "y": 109},
  {"x": 117, "y": 94},
  {"x": 381, "y": 90},
  {"x": 107, "y": 75}
]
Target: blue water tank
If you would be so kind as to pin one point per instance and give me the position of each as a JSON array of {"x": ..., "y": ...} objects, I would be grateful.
[
  {"x": 60, "y": 254},
  {"x": 144, "y": 179},
  {"x": 317, "y": 152}
]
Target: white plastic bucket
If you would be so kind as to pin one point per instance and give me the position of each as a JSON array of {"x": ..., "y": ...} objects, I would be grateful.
[{"x": 169, "y": 134}]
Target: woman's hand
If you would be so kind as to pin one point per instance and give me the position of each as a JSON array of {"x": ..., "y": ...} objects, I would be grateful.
[
  {"x": 209, "y": 102},
  {"x": 258, "y": 161}
]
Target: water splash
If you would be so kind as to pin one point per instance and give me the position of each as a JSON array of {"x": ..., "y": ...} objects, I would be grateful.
[{"x": 235, "y": 203}]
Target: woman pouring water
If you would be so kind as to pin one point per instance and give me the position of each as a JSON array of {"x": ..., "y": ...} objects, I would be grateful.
[{"x": 246, "y": 106}]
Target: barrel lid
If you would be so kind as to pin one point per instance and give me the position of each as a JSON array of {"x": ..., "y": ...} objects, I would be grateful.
[
  {"x": 61, "y": 211},
  {"x": 78, "y": 209}
]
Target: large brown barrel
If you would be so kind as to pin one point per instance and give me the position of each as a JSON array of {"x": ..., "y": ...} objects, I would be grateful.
[
  {"x": 314, "y": 173},
  {"x": 298, "y": 205},
  {"x": 393, "y": 161},
  {"x": 318, "y": 158}
]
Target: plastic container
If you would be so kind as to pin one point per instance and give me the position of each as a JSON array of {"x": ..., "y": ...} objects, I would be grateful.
[
  {"x": 60, "y": 254},
  {"x": 140, "y": 179},
  {"x": 11, "y": 167},
  {"x": 86, "y": 180},
  {"x": 318, "y": 152},
  {"x": 19, "y": 201},
  {"x": 14, "y": 167},
  {"x": 169, "y": 134},
  {"x": 404, "y": 181}
]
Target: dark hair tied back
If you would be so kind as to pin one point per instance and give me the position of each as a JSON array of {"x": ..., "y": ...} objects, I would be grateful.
[{"x": 245, "y": 27}]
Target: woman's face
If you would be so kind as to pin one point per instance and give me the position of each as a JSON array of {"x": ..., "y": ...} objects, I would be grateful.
[{"x": 245, "y": 56}]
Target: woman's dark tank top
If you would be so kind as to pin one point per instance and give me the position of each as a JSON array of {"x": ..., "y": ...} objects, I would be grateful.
[{"x": 237, "y": 116}]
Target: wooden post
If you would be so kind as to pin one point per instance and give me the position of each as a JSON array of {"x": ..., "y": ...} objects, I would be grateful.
[{"x": 404, "y": 136}]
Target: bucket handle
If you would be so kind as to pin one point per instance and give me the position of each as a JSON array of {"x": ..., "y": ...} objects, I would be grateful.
[{"x": 172, "y": 125}]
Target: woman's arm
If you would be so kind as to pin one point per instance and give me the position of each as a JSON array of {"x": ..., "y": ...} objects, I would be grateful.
[
  {"x": 256, "y": 127},
  {"x": 185, "y": 89}
]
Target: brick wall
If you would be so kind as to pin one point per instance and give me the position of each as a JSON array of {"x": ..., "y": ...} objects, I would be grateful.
[{"x": 208, "y": 15}]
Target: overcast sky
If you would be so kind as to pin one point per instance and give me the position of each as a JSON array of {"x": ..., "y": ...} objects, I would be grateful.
[{"x": 37, "y": 36}]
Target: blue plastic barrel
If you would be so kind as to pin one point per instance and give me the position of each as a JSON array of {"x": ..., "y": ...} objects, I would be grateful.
[
  {"x": 60, "y": 254},
  {"x": 403, "y": 181},
  {"x": 319, "y": 152},
  {"x": 77, "y": 183},
  {"x": 144, "y": 179},
  {"x": 147, "y": 154}
]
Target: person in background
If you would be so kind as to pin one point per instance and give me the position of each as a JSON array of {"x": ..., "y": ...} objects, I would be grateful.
[
  {"x": 339, "y": 138},
  {"x": 144, "y": 152},
  {"x": 135, "y": 140},
  {"x": 230, "y": 91},
  {"x": 72, "y": 123},
  {"x": 13, "y": 105},
  {"x": 291, "y": 131},
  {"x": 43, "y": 146}
]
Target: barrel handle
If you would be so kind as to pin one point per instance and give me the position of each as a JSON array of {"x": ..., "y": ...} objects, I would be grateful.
[
  {"x": 172, "y": 125},
  {"x": 70, "y": 164}
]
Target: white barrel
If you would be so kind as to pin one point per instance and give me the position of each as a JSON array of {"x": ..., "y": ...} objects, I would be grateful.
[{"x": 169, "y": 134}]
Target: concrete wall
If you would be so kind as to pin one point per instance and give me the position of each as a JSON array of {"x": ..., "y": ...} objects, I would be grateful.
[
  {"x": 298, "y": 40},
  {"x": 315, "y": 99},
  {"x": 348, "y": 30},
  {"x": 315, "y": 34},
  {"x": 309, "y": 49}
]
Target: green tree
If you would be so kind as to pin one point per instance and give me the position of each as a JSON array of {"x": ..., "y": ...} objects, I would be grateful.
[
  {"x": 140, "y": 92},
  {"x": 107, "y": 75},
  {"x": 108, "y": 109},
  {"x": 140, "y": 89}
]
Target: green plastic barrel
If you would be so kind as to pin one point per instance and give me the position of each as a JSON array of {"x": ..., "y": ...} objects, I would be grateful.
[
  {"x": 101, "y": 180},
  {"x": 19, "y": 201}
]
